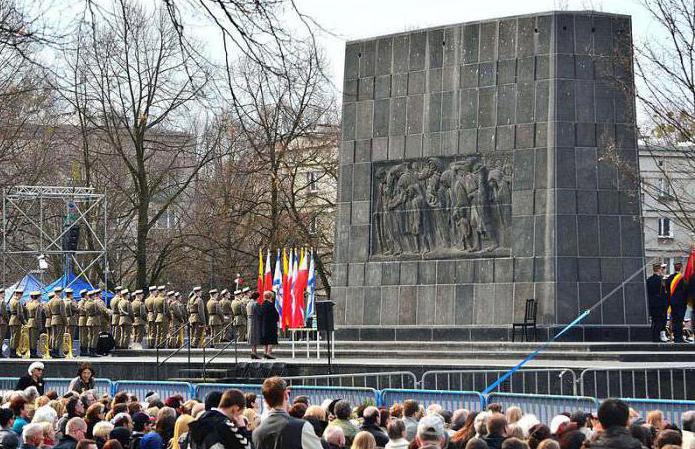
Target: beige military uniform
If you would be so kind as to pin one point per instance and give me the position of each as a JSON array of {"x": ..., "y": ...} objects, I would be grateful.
[
  {"x": 177, "y": 317},
  {"x": 227, "y": 313},
  {"x": 93, "y": 323},
  {"x": 104, "y": 315},
  {"x": 73, "y": 311},
  {"x": 149, "y": 307},
  {"x": 215, "y": 319},
  {"x": 238, "y": 320},
  {"x": 17, "y": 319},
  {"x": 139, "y": 319},
  {"x": 4, "y": 319},
  {"x": 196, "y": 318},
  {"x": 161, "y": 310},
  {"x": 125, "y": 322},
  {"x": 59, "y": 319},
  {"x": 82, "y": 325},
  {"x": 115, "y": 317},
  {"x": 33, "y": 323}
]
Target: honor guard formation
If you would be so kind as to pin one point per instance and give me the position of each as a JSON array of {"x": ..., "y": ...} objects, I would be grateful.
[{"x": 154, "y": 319}]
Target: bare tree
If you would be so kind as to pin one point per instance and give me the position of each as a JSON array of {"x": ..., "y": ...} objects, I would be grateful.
[{"x": 135, "y": 95}]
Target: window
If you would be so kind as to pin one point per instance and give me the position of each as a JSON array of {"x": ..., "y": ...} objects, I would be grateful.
[
  {"x": 312, "y": 179},
  {"x": 313, "y": 225},
  {"x": 665, "y": 230},
  {"x": 663, "y": 187}
]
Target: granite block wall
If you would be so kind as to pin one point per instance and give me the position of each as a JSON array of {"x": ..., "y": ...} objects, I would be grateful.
[{"x": 552, "y": 92}]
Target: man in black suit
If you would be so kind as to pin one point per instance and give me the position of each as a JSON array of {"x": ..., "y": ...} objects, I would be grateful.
[
  {"x": 658, "y": 303},
  {"x": 678, "y": 298}
]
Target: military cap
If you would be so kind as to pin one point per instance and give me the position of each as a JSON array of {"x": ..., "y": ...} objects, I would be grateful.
[
  {"x": 170, "y": 293},
  {"x": 50, "y": 295},
  {"x": 125, "y": 291},
  {"x": 19, "y": 290},
  {"x": 213, "y": 291},
  {"x": 162, "y": 287},
  {"x": 57, "y": 289},
  {"x": 177, "y": 294},
  {"x": 83, "y": 292},
  {"x": 224, "y": 292},
  {"x": 245, "y": 289},
  {"x": 656, "y": 266},
  {"x": 237, "y": 292},
  {"x": 152, "y": 288},
  {"x": 137, "y": 292},
  {"x": 197, "y": 289},
  {"x": 35, "y": 293},
  {"x": 118, "y": 288},
  {"x": 68, "y": 291}
]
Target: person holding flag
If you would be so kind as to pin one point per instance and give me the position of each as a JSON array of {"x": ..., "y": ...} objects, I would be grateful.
[{"x": 678, "y": 298}]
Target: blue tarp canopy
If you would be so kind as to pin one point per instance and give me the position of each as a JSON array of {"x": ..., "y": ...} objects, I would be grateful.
[{"x": 29, "y": 283}]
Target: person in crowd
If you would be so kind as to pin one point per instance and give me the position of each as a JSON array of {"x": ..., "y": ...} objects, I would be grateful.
[
  {"x": 396, "y": 410},
  {"x": 574, "y": 439},
  {"x": 476, "y": 443},
  {"x": 458, "y": 419},
  {"x": 655, "y": 420},
  {"x": 613, "y": 415},
  {"x": 335, "y": 438},
  {"x": 548, "y": 443},
  {"x": 363, "y": 440},
  {"x": 142, "y": 425},
  {"x": 18, "y": 405},
  {"x": 93, "y": 415},
  {"x": 384, "y": 418},
  {"x": 254, "y": 326},
  {"x": 688, "y": 420},
  {"x": 643, "y": 434},
  {"x": 396, "y": 433},
  {"x": 480, "y": 424},
  {"x": 514, "y": 443},
  {"x": 269, "y": 324},
  {"x": 122, "y": 434},
  {"x": 85, "y": 380},
  {"x": 370, "y": 424},
  {"x": 279, "y": 424},
  {"x": 297, "y": 410},
  {"x": 164, "y": 427},
  {"x": 461, "y": 437},
  {"x": 101, "y": 432},
  {"x": 496, "y": 430},
  {"x": 222, "y": 425},
  {"x": 342, "y": 411},
  {"x": 86, "y": 444},
  {"x": 666, "y": 437},
  {"x": 74, "y": 409},
  {"x": 513, "y": 414},
  {"x": 45, "y": 414},
  {"x": 316, "y": 416},
  {"x": 411, "y": 415},
  {"x": 538, "y": 433},
  {"x": 8, "y": 437},
  {"x": 514, "y": 431},
  {"x": 32, "y": 436},
  {"x": 34, "y": 378},
  {"x": 181, "y": 427},
  {"x": 252, "y": 418},
  {"x": 152, "y": 439},
  {"x": 113, "y": 444},
  {"x": 431, "y": 433},
  {"x": 49, "y": 435},
  {"x": 75, "y": 430}
]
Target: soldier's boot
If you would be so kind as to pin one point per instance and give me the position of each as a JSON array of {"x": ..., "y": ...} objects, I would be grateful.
[
  {"x": 33, "y": 354},
  {"x": 13, "y": 353}
]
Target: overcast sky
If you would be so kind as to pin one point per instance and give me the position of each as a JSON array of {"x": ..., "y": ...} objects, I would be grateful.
[{"x": 355, "y": 19}]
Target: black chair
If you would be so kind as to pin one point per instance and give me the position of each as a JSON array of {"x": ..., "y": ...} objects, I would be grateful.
[{"x": 529, "y": 320}]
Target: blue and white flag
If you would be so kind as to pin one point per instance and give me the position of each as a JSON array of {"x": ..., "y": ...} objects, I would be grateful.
[
  {"x": 277, "y": 285},
  {"x": 311, "y": 289}
]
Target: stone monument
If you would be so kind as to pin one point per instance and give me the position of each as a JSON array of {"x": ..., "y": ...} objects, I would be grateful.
[{"x": 483, "y": 164}]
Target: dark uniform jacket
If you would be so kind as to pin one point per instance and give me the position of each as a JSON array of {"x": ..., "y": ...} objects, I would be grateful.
[{"x": 657, "y": 293}]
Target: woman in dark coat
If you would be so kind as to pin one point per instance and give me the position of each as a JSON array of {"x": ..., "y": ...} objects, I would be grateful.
[
  {"x": 269, "y": 324},
  {"x": 253, "y": 314}
]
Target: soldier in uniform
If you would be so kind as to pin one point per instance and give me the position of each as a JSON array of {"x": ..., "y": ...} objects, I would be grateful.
[
  {"x": 149, "y": 307},
  {"x": 227, "y": 313},
  {"x": 93, "y": 323},
  {"x": 196, "y": 317},
  {"x": 215, "y": 318},
  {"x": 44, "y": 317},
  {"x": 115, "y": 316},
  {"x": 59, "y": 319},
  {"x": 33, "y": 312},
  {"x": 236, "y": 312},
  {"x": 72, "y": 310},
  {"x": 125, "y": 319},
  {"x": 17, "y": 319},
  {"x": 104, "y": 313},
  {"x": 161, "y": 310},
  {"x": 4, "y": 316},
  {"x": 177, "y": 317},
  {"x": 82, "y": 322},
  {"x": 139, "y": 317}
]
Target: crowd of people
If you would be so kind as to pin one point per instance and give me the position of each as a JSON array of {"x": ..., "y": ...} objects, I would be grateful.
[{"x": 31, "y": 418}]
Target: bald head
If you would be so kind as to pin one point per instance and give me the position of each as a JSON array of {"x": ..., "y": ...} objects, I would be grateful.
[{"x": 76, "y": 428}]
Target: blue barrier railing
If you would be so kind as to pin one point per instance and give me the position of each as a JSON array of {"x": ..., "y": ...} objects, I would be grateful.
[
  {"x": 60, "y": 386},
  {"x": 545, "y": 407},
  {"x": 202, "y": 390},
  {"x": 354, "y": 395},
  {"x": 8, "y": 383},
  {"x": 450, "y": 400},
  {"x": 672, "y": 410},
  {"x": 163, "y": 389}
]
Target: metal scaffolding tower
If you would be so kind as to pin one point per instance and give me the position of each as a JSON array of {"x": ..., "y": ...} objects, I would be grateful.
[{"x": 37, "y": 220}]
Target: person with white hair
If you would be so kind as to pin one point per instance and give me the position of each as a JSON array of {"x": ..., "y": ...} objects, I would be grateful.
[
  {"x": 30, "y": 394},
  {"x": 335, "y": 437},
  {"x": 32, "y": 436},
  {"x": 45, "y": 413},
  {"x": 34, "y": 378},
  {"x": 101, "y": 432},
  {"x": 75, "y": 430},
  {"x": 526, "y": 422}
]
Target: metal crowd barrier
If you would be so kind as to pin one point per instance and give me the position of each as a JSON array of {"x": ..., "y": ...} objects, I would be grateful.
[
  {"x": 449, "y": 400},
  {"x": 60, "y": 386},
  {"x": 672, "y": 410},
  {"x": 675, "y": 383},
  {"x": 545, "y": 407},
  {"x": 163, "y": 389},
  {"x": 525, "y": 381},
  {"x": 8, "y": 383},
  {"x": 318, "y": 394},
  {"x": 202, "y": 390},
  {"x": 377, "y": 381}
]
